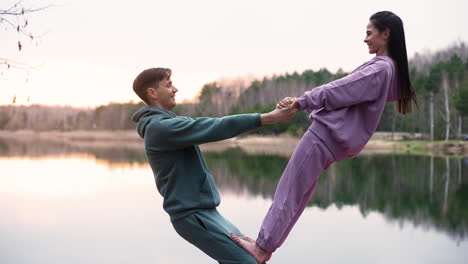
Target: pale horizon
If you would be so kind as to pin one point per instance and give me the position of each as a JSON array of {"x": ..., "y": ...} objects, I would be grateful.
[{"x": 92, "y": 51}]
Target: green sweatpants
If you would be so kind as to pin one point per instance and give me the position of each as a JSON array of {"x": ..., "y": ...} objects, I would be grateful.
[{"x": 209, "y": 231}]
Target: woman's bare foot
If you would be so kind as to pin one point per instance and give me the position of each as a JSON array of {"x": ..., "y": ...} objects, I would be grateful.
[{"x": 250, "y": 246}]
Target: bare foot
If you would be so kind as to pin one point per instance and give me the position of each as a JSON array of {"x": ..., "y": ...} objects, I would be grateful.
[
  {"x": 253, "y": 241},
  {"x": 250, "y": 246}
]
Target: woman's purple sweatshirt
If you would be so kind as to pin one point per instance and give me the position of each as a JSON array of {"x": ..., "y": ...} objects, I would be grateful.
[{"x": 346, "y": 112}]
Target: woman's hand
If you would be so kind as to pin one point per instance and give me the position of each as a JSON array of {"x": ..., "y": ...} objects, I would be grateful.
[{"x": 288, "y": 102}]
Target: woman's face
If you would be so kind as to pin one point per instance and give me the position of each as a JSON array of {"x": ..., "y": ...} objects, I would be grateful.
[{"x": 376, "y": 40}]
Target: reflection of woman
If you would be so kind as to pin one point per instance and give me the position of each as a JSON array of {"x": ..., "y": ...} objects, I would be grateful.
[{"x": 346, "y": 113}]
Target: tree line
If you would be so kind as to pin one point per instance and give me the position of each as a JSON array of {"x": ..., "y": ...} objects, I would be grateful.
[
  {"x": 440, "y": 80},
  {"x": 115, "y": 116}
]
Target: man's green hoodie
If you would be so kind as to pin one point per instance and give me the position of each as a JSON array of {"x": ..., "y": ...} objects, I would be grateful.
[{"x": 171, "y": 146}]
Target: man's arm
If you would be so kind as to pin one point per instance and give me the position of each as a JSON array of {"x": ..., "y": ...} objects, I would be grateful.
[
  {"x": 277, "y": 116},
  {"x": 180, "y": 132}
]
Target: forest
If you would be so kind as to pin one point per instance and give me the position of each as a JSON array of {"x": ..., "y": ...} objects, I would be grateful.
[{"x": 440, "y": 79}]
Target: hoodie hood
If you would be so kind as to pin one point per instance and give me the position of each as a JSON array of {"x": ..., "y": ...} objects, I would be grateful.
[{"x": 146, "y": 115}]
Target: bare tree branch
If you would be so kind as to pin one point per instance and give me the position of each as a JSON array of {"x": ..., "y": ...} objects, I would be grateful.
[
  {"x": 18, "y": 10},
  {"x": 16, "y": 17},
  {"x": 442, "y": 115},
  {"x": 15, "y": 64}
]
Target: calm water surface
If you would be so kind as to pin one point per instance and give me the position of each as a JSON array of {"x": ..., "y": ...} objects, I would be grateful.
[{"x": 80, "y": 204}]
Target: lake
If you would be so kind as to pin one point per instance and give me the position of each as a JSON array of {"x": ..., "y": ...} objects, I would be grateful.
[{"x": 87, "y": 203}]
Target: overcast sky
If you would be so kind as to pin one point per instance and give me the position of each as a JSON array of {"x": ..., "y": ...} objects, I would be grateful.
[{"x": 94, "y": 49}]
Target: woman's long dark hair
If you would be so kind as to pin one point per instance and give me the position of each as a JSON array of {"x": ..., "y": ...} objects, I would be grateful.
[{"x": 397, "y": 51}]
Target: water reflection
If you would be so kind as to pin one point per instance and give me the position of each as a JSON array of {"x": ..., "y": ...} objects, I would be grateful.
[
  {"x": 111, "y": 153},
  {"x": 428, "y": 192}
]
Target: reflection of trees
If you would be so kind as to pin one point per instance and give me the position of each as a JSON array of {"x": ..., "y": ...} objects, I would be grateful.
[
  {"x": 257, "y": 173},
  {"x": 397, "y": 186},
  {"x": 111, "y": 152},
  {"x": 424, "y": 190}
]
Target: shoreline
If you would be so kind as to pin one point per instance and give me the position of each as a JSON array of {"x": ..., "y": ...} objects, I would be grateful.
[{"x": 282, "y": 145}]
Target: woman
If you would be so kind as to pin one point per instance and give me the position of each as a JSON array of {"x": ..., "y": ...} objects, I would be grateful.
[{"x": 346, "y": 113}]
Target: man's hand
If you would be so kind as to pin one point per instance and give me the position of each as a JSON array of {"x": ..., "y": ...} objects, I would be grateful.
[
  {"x": 288, "y": 102},
  {"x": 278, "y": 115}
]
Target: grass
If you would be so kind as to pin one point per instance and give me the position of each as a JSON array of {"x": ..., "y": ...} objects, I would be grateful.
[{"x": 437, "y": 148}]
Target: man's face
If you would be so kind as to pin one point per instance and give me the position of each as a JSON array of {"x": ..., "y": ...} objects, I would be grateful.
[{"x": 165, "y": 94}]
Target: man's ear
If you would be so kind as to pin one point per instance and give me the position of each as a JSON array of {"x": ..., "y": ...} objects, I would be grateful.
[{"x": 152, "y": 93}]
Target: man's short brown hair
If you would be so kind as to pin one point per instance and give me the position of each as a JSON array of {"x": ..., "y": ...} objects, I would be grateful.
[{"x": 149, "y": 78}]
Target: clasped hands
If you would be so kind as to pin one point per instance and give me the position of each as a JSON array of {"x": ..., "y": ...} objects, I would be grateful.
[
  {"x": 288, "y": 102},
  {"x": 284, "y": 111}
]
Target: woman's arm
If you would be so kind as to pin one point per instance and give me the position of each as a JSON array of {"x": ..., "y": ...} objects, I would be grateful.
[{"x": 358, "y": 87}]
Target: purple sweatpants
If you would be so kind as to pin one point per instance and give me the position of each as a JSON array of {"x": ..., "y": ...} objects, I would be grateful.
[{"x": 310, "y": 158}]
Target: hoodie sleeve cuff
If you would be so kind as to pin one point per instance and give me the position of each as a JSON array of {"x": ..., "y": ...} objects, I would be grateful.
[
  {"x": 258, "y": 120},
  {"x": 302, "y": 101}
]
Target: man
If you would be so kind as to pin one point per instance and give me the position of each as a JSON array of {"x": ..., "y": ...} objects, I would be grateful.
[{"x": 182, "y": 176}]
